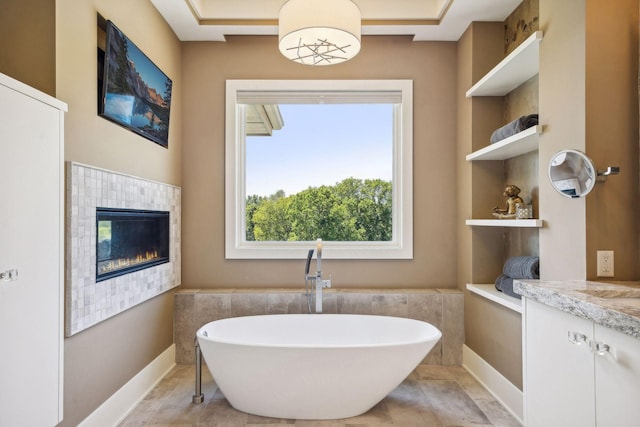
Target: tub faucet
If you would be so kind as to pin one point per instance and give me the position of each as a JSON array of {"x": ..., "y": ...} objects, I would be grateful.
[{"x": 316, "y": 280}]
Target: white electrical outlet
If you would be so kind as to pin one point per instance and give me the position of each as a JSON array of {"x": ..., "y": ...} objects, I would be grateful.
[{"x": 605, "y": 264}]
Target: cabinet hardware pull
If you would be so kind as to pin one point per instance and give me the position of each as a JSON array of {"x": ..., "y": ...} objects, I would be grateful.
[
  {"x": 9, "y": 275},
  {"x": 576, "y": 338},
  {"x": 599, "y": 348}
]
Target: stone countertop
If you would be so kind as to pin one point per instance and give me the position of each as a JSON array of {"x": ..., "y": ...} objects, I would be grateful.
[{"x": 603, "y": 303}]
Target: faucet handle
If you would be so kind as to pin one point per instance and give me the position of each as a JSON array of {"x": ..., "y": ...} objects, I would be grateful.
[{"x": 326, "y": 283}]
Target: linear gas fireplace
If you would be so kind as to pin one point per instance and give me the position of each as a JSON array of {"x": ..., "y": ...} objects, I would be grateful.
[
  {"x": 106, "y": 238},
  {"x": 130, "y": 240}
]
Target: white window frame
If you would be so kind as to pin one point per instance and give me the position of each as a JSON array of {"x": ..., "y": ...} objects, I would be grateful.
[{"x": 335, "y": 91}]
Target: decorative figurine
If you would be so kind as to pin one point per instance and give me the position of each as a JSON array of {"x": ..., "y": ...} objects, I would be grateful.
[{"x": 511, "y": 193}]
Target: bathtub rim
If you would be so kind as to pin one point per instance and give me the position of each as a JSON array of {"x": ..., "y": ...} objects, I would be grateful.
[{"x": 434, "y": 334}]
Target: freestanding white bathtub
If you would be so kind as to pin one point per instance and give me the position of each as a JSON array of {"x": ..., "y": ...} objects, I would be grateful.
[{"x": 303, "y": 366}]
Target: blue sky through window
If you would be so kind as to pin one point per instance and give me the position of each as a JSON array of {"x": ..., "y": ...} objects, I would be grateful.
[{"x": 321, "y": 144}]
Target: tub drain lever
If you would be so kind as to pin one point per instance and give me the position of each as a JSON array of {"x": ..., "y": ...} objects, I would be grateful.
[{"x": 198, "y": 397}]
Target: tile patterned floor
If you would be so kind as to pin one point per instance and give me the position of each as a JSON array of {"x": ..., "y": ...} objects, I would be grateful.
[{"x": 432, "y": 396}]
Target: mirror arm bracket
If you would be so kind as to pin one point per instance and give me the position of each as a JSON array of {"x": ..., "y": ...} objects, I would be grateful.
[{"x": 610, "y": 170}]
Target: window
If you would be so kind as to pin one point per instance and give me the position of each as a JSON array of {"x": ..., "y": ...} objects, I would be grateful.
[{"x": 378, "y": 123}]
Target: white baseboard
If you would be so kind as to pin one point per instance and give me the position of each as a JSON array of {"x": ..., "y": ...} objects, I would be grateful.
[
  {"x": 118, "y": 406},
  {"x": 502, "y": 389}
]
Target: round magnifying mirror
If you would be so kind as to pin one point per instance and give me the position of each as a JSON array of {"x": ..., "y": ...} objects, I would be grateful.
[{"x": 572, "y": 173}]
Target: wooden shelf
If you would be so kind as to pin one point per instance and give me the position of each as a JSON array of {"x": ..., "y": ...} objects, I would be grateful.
[
  {"x": 516, "y": 145},
  {"x": 523, "y": 223},
  {"x": 515, "y": 69},
  {"x": 491, "y": 293}
]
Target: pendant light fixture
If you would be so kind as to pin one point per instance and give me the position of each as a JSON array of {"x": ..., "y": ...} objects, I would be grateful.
[{"x": 319, "y": 32}]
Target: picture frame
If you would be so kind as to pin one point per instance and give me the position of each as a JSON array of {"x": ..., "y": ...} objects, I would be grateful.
[{"x": 136, "y": 94}]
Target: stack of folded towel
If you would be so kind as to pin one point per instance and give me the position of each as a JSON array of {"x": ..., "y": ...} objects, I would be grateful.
[
  {"x": 516, "y": 126},
  {"x": 521, "y": 267}
]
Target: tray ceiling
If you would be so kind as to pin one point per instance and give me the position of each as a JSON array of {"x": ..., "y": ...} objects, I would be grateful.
[{"x": 212, "y": 20}]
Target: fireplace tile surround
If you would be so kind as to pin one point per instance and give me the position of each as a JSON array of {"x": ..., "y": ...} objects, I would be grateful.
[{"x": 87, "y": 188}]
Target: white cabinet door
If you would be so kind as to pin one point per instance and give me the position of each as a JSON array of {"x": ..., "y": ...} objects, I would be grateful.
[
  {"x": 617, "y": 380},
  {"x": 30, "y": 243},
  {"x": 558, "y": 375}
]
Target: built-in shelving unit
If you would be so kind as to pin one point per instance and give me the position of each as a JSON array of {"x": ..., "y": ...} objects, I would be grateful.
[
  {"x": 507, "y": 91},
  {"x": 491, "y": 293},
  {"x": 516, "y": 145},
  {"x": 523, "y": 223},
  {"x": 515, "y": 69}
]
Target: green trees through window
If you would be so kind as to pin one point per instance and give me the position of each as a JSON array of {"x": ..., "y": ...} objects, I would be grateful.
[{"x": 351, "y": 210}]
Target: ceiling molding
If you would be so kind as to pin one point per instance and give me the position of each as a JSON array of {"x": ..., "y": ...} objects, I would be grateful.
[
  {"x": 274, "y": 22},
  {"x": 446, "y": 20}
]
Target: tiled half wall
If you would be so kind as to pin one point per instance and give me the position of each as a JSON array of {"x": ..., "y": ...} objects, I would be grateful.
[
  {"x": 443, "y": 308},
  {"x": 88, "y": 302}
]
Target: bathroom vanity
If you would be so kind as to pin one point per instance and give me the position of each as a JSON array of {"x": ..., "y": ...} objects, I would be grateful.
[{"x": 581, "y": 350}]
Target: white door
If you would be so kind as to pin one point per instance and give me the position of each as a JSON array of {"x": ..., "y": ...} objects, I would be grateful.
[
  {"x": 30, "y": 243},
  {"x": 558, "y": 375}
]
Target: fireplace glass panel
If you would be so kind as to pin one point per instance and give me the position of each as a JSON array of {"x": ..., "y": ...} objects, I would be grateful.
[{"x": 130, "y": 240}]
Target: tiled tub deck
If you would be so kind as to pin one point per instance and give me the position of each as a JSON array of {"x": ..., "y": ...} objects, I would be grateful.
[{"x": 443, "y": 308}]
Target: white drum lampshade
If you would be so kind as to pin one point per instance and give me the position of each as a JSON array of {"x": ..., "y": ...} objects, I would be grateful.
[{"x": 319, "y": 32}]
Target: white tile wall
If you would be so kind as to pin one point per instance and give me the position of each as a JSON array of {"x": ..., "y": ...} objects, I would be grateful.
[{"x": 88, "y": 302}]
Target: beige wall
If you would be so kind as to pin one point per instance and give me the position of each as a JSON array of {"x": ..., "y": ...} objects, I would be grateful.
[
  {"x": 562, "y": 109},
  {"x": 588, "y": 101},
  {"x": 613, "y": 215},
  {"x": 27, "y": 42},
  {"x": 431, "y": 66},
  {"x": 101, "y": 359}
]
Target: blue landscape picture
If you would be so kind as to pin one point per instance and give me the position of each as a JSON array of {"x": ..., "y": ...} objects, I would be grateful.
[{"x": 136, "y": 93}]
